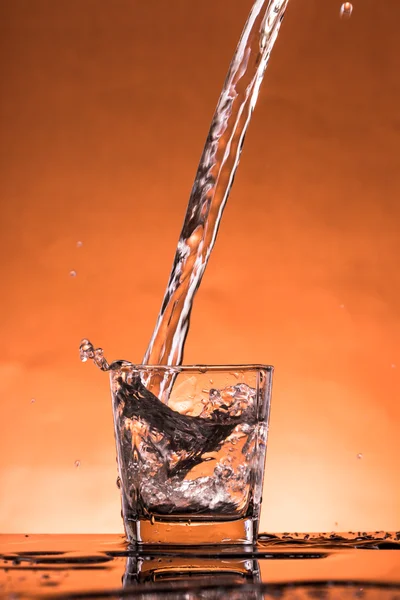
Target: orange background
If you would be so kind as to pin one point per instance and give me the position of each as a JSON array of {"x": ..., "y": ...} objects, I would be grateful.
[{"x": 105, "y": 107}]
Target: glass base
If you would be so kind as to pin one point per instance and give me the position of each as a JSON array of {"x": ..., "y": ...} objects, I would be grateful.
[{"x": 187, "y": 533}]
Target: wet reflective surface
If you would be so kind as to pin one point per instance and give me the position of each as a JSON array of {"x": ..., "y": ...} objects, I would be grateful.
[{"x": 288, "y": 566}]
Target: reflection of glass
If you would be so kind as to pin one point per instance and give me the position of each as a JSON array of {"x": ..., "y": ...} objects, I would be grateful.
[
  {"x": 173, "y": 577},
  {"x": 191, "y": 463}
]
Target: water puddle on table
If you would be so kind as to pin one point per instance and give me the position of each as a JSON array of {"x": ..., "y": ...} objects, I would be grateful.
[{"x": 287, "y": 566}]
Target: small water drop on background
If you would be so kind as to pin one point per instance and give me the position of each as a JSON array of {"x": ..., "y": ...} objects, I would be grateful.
[
  {"x": 346, "y": 10},
  {"x": 33, "y": 400},
  {"x": 359, "y": 455},
  {"x": 72, "y": 273},
  {"x": 77, "y": 463},
  {"x": 79, "y": 244}
]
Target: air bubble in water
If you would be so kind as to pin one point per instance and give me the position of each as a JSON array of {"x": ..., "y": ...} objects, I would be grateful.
[
  {"x": 359, "y": 455},
  {"x": 72, "y": 273},
  {"x": 77, "y": 463},
  {"x": 346, "y": 10}
]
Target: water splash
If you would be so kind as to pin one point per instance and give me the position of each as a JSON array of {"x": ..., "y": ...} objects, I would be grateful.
[
  {"x": 213, "y": 182},
  {"x": 88, "y": 352}
]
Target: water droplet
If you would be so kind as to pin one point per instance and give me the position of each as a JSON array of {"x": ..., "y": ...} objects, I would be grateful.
[
  {"x": 33, "y": 400},
  {"x": 211, "y": 381},
  {"x": 341, "y": 305},
  {"x": 86, "y": 350},
  {"x": 346, "y": 10},
  {"x": 359, "y": 455},
  {"x": 79, "y": 244},
  {"x": 77, "y": 463},
  {"x": 72, "y": 273},
  {"x": 336, "y": 523},
  {"x": 99, "y": 359},
  {"x": 392, "y": 366}
]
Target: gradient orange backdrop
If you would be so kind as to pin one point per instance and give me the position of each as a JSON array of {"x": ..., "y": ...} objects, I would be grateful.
[{"x": 105, "y": 107}]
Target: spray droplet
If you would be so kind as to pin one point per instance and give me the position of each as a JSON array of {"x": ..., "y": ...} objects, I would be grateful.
[
  {"x": 77, "y": 463},
  {"x": 346, "y": 10},
  {"x": 72, "y": 273},
  {"x": 99, "y": 359},
  {"x": 359, "y": 455},
  {"x": 87, "y": 350},
  {"x": 336, "y": 523},
  {"x": 33, "y": 400},
  {"x": 79, "y": 244}
]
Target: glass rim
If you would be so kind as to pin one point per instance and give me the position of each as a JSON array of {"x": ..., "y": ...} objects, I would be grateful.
[{"x": 198, "y": 368}]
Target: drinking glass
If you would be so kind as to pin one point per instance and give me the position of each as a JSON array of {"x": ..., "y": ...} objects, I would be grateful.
[{"x": 191, "y": 444}]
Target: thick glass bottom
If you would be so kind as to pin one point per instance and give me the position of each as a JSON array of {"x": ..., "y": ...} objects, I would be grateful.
[{"x": 187, "y": 533}]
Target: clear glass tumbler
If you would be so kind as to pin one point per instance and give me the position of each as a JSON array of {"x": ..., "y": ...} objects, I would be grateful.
[{"x": 191, "y": 445}]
